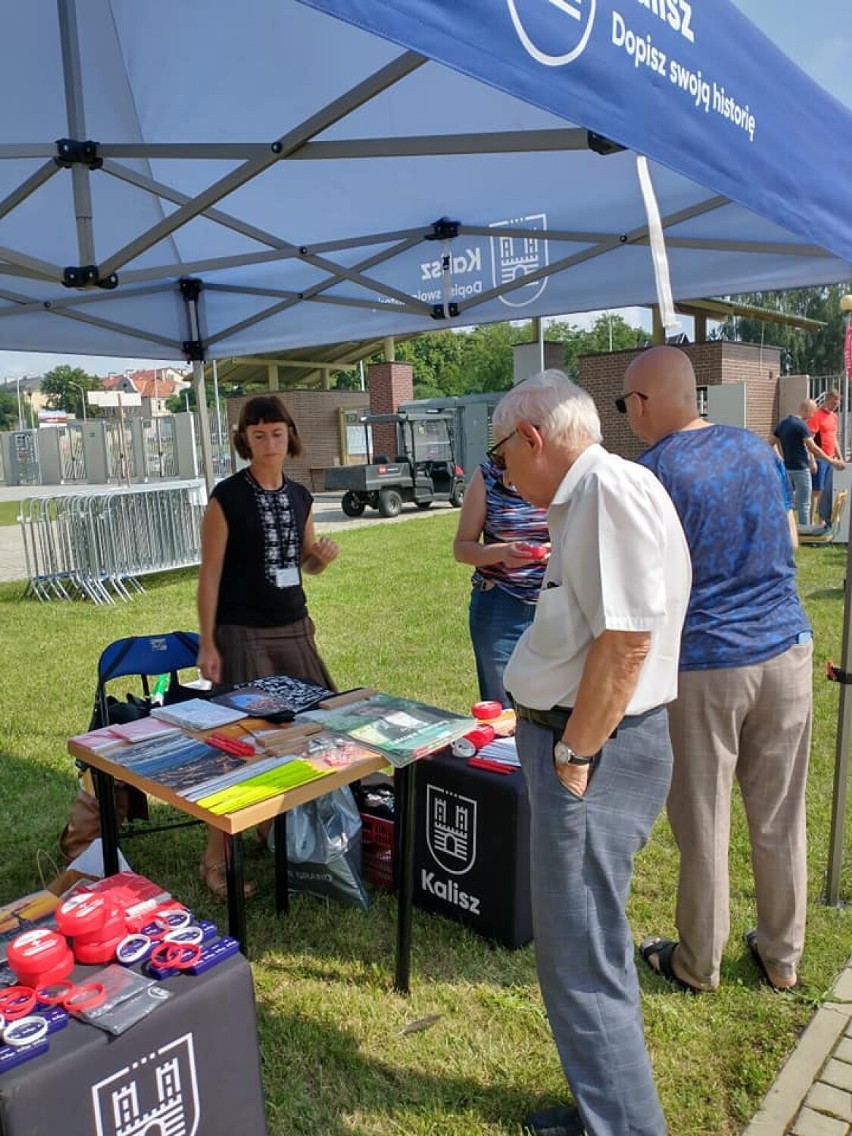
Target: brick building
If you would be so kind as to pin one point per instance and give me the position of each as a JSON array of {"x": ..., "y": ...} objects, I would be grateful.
[{"x": 716, "y": 363}]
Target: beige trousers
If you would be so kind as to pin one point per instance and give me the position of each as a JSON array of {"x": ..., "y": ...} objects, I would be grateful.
[{"x": 753, "y": 724}]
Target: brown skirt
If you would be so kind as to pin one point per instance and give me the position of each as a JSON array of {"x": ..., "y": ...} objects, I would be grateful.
[{"x": 258, "y": 652}]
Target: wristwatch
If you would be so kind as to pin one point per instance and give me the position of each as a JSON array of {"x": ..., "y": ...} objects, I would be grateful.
[{"x": 564, "y": 755}]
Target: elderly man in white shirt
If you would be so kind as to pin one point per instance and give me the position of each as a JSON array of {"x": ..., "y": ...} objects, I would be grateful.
[{"x": 590, "y": 680}]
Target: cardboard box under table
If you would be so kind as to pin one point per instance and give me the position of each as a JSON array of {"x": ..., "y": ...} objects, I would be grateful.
[
  {"x": 472, "y": 860},
  {"x": 191, "y": 1066}
]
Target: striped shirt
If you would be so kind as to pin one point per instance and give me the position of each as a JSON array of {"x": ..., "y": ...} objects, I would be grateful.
[{"x": 508, "y": 518}]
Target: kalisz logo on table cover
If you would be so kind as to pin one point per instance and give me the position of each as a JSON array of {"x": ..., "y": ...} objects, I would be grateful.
[
  {"x": 514, "y": 257},
  {"x": 451, "y": 829},
  {"x": 156, "y": 1094},
  {"x": 553, "y": 32}
]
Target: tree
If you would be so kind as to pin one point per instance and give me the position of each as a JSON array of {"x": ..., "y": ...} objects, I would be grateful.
[
  {"x": 479, "y": 359},
  {"x": 8, "y": 411},
  {"x": 610, "y": 332},
  {"x": 63, "y": 389},
  {"x": 802, "y": 352}
]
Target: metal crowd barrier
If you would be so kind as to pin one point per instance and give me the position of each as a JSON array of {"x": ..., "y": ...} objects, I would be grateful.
[{"x": 97, "y": 545}]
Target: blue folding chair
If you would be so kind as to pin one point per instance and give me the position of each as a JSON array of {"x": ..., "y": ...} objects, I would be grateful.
[{"x": 143, "y": 657}]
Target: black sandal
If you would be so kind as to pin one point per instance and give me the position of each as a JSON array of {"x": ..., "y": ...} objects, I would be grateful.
[
  {"x": 751, "y": 942},
  {"x": 662, "y": 950}
]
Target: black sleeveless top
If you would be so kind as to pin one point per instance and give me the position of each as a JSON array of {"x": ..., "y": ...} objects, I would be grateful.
[{"x": 266, "y": 530}]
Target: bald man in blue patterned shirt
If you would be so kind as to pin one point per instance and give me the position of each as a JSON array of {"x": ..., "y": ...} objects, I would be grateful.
[{"x": 744, "y": 702}]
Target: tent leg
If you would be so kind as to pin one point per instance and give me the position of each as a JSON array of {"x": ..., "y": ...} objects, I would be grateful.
[
  {"x": 841, "y": 763},
  {"x": 203, "y": 423}
]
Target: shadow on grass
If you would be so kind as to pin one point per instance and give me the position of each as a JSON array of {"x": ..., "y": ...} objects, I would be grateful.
[
  {"x": 34, "y": 803},
  {"x": 327, "y": 1080},
  {"x": 827, "y": 593}
]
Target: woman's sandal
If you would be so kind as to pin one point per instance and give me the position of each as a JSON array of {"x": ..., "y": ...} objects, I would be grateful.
[
  {"x": 214, "y": 878},
  {"x": 751, "y": 942},
  {"x": 657, "y": 954}
]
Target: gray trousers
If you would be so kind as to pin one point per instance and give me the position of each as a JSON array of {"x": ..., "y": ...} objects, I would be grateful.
[
  {"x": 753, "y": 724},
  {"x": 582, "y": 852}
]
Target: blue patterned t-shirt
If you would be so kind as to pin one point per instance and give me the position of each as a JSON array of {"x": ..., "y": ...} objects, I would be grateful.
[{"x": 728, "y": 491}]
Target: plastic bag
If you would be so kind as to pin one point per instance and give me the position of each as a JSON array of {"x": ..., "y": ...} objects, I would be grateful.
[{"x": 324, "y": 848}]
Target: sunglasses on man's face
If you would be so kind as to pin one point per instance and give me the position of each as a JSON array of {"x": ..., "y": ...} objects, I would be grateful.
[
  {"x": 621, "y": 403},
  {"x": 496, "y": 458}
]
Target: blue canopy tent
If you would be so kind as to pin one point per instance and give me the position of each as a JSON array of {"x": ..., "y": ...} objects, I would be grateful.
[
  {"x": 312, "y": 177},
  {"x": 212, "y": 179}
]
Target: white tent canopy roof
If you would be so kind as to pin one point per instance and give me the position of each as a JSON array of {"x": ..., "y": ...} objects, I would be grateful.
[{"x": 304, "y": 184}]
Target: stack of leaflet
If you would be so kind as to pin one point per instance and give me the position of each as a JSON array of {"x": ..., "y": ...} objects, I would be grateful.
[
  {"x": 278, "y": 698},
  {"x": 217, "y": 780},
  {"x": 108, "y": 738},
  {"x": 176, "y": 760},
  {"x": 197, "y": 714},
  {"x": 503, "y": 750},
  {"x": 278, "y": 775},
  {"x": 399, "y": 728}
]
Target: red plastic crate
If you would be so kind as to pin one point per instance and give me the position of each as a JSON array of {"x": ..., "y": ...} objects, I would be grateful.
[{"x": 377, "y": 850}]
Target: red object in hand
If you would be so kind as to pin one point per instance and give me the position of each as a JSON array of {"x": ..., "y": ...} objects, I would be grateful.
[{"x": 535, "y": 551}]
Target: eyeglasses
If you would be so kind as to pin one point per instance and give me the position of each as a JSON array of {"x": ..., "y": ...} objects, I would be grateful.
[
  {"x": 497, "y": 459},
  {"x": 621, "y": 403}
]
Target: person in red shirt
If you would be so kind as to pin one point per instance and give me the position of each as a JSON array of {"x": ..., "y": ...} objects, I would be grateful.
[{"x": 823, "y": 425}]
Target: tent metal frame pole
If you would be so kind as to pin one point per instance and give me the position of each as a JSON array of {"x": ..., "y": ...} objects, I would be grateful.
[
  {"x": 28, "y": 187},
  {"x": 26, "y": 303},
  {"x": 337, "y": 109},
  {"x": 203, "y": 423},
  {"x": 840, "y": 791},
  {"x": 73, "y": 76},
  {"x": 310, "y": 293},
  {"x": 841, "y": 763},
  {"x": 190, "y": 290}
]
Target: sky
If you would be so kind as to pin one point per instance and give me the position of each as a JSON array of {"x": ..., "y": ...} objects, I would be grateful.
[{"x": 816, "y": 34}]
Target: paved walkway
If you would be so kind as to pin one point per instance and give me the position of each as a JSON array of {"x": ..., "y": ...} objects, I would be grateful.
[{"x": 813, "y": 1093}]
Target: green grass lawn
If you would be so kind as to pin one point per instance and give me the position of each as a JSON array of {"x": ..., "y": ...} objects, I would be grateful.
[
  {"x": 9, "y": 512},
  {"x": 392, "y": 613}
]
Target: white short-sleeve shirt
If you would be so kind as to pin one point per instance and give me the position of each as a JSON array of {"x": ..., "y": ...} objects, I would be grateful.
[{"x": 619, "y": 562}]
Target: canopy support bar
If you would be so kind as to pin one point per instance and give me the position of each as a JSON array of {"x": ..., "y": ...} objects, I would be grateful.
[
  {"x": 72, "y": 72},
  {"x": 35, "y": 181},
  {"x": 317, "y": 289},
  {"x": 337, "y": 109},
  {"x": 190, "y": 290}
]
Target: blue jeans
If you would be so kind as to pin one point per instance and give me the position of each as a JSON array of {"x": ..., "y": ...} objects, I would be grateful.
[
  {"x": 800, "y": 479},
  {"x": 581, "y": 867},
  {"x": 496, "y": 623}
]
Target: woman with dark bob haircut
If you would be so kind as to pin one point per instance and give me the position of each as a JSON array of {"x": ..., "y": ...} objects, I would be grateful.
[{"x": 257, "y": 538}]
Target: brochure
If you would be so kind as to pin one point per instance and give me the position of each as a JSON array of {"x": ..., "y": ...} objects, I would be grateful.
[
  {"x": 277, "y": 698},
  {"x": 281, "y": 779},
  {"x": 142, "y": 728},
  {"x": 400, "y": 728},
  {"x": 98, "y": 741},
  {"x": 198, "y": 714}
]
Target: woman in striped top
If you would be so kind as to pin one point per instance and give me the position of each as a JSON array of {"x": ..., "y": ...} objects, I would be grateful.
[{"x": 506, "y": 540}]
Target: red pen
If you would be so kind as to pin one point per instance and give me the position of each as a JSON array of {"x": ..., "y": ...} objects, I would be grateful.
[
  {"x": 230, "y": 745},
  {"x": 492, "y": 766}
]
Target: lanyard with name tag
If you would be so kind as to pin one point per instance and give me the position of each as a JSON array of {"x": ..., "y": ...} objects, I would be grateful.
[{"x": 287, "y": 577}]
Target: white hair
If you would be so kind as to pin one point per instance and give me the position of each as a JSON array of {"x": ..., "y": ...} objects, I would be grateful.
[{"x": 561, "y": 410}]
